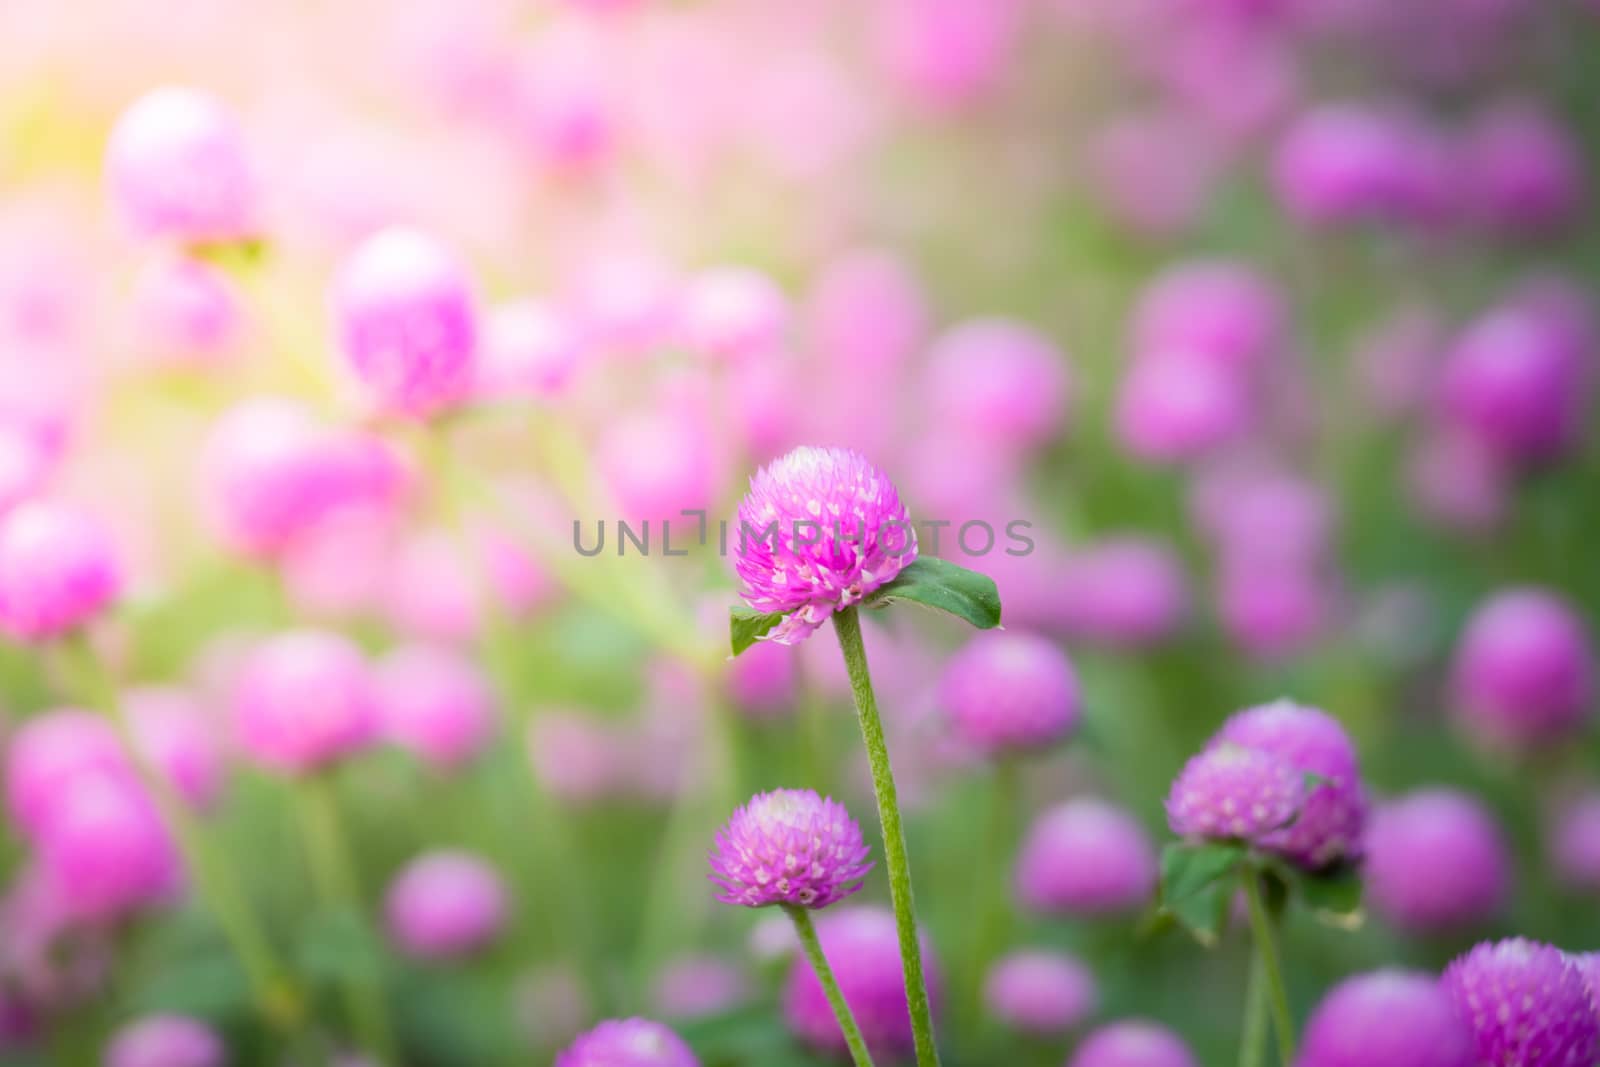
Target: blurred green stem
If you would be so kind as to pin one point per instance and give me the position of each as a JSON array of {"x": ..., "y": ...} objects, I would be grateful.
[
  {"x": 1261, "y": 929},
  {"x": 993, "y": 914},
  {"x": 812, "y": 947},
  {"x": 334, "y": 875},
  {"x": 847, "y": 624},
  {"x": 275, "y": 995},
  {"x": 1253, "y": 1030}
]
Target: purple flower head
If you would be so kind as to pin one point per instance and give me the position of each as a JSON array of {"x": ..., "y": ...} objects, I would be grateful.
[
  {"x": 789, "y": 846},
  {"x": 407, "y": 322},
  {"x": 1175, "y": 405},
  {"x": 698, "y": 986},
  {"x": 104, "y": 851},
  {"x": 763, "y": 682},
  {"x": 445, "y": 904},
  {"x": 1524, "y": 170},
  {"x": 1387, "y": 1019},
  {"x": 999, "y": 381},
  {"x": 1040, "y": 992},
  {"x": 435, "y": 703},
  {"x": 733, "y": 313},
  {"x": 1574, "y": 842},
  {"x": 1229, "y": 791},
  {"x": 176, "y": 732},
  {"x": 1125, "y": 591},
  {"x": 1344, "y": 164},
  {"x": 185, "y": 311},
  {"x": 1331, "y": 823},
  {"x": 1010, "y": 692},
  {"x": 1222, "y": 311},
  {"x": 628, "y": 1043},
  {"x": 57, "y": 571},
  {"x": 1085, "y": 857},
  {"x": 1588, "y": 964},
  {"x": 529, "y": 350},
  {"x": 303, "y": 700},
  {"x": 177, "y": 167},
  {"x": 863, "y": 949},
  {"x": 1524, "y": 670},
  {"x": 48, "y": 752},
  {"x": 1524, "y": 1003},
  {"x": 1436, "y": 860},
  {"x": 820, "y": 529},
  {"x": 165, "y": 1041},
  {"x": 1133, "y": 1043}
]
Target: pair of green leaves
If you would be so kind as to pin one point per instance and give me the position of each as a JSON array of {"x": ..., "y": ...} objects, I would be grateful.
[
  {"x": 931, "y": 582},
  {"x": 1198, "y": 881}
]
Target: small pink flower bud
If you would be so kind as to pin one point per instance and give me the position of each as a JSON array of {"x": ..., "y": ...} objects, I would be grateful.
[
  {"x": 303, "y": 700},
  {"x": 57, "y": 571}
]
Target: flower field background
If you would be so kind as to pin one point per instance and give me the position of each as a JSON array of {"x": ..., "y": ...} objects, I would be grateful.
[{"x": 393, "y": 398}]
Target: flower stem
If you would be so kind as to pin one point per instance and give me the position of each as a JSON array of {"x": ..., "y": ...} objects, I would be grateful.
[
  {"x": 847, "y": 624},
  {"x": 329, "y": 856},
  {"x": 276, "y": 998},
  {"x": 992, "y": 925},
  {"x": 812, "y": 947},
  {"x": 1253, "y": 1029},
  {"x": 1261, "y": 927}
]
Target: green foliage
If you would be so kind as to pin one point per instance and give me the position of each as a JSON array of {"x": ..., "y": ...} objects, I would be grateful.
[{"x": 943, "y": 586}]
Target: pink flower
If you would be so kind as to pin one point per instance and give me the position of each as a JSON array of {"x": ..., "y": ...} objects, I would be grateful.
[
  {"x": 57, "y": 571},
  {"x": 303, "y": 700}
]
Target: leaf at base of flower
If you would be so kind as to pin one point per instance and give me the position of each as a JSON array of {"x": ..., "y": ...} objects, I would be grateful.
[
  {"x": 942, "y": 585},
  {"x": 746, "y": 626},
  {"x": 1197, "y": 885}
]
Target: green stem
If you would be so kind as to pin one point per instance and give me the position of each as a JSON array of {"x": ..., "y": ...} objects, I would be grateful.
[
  {"x": 812, "y": 947},
  {"x": 1253, "y": 1030},
  {"x": 993, "y": 913},
  {"x": 847, "y": 624},
  {"x": 1261, "y": 927},
  {"x": 275, "y": 995},
  {"x": 334, "y": 876}
]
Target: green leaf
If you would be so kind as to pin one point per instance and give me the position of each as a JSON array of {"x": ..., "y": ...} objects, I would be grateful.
[
  {"x": 211, "y": 986},
  {"x": 339, "y": 946},
  {"x": 747, "y": 626},
  {"x": 1334, "y": 896},
  {"x": 1197, "y": 884},
  {"x": 942, "y": 585}
]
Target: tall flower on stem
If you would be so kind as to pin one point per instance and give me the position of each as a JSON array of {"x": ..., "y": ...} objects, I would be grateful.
[
  {"x": 801, "y": 852},
  {"x": 822, "y": 532}
]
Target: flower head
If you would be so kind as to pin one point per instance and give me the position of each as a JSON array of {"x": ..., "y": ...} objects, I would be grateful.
[
  {"x": 1010, "y": 691},
  {"x": 47, "y": 752},
  {"x": 445, "y": 904},
  {"x": 165, "y": 1041},
  {"x": 104, "y": 851},
  {"x": 305, "y": 699},
  {"x": 1383, "y": 1020},
  {"x": 789, "y": 846},
  {"x": 999, "y": 381},
  {"x": 1436, "y": 860},
  {"x": 1524, "y": 670},
  {"x": 1524, "y": 1003},
  {"x": 1085, "y": 857},
  {"x": 628, "y": 1043},
  {"x": 820, "y": 529},
  {"x": 435, "y": 703},
  {"x": 1330, "y": 825},
  {"x": 57, "y": 571},
  {"x": 1133, "y": 1043},
  {"x": 1229, "y": 791},
  {"x": 1040, "y": 992}
]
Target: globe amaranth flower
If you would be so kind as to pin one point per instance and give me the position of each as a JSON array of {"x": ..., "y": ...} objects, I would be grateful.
[
  {"x": 57, "y": 571},
  {"x": 628, "y": 1043},
  {"x": 1040, "y": 993},
  {"x": 165, "y": 1041},
  {"x": 1330, "y": 825},
  {"x": 999, "y": 381},
  {"x": 1573, "y": 842},
  {"x": 1133, "y": 1043},
  {"x": 1524, "y": 670},
  {"x": 445, "y": 904},
  {"x": 1229, "y": 791},
  {"x": 436, "y": 704},
  {"x": 1086, "y": 857},
  {"x": 1010, "y": 692},
  {"x": 1386, "y": 1019},
  {"x": 697, "y": 986},
  {"x": 863, "y": 948},
  {"x": 820, "y": 529},
  {"x": 49, "y": 751},
  {"x": 1524, "y": 1003},
  {"x": 305, "y": 699},
  {"x": 104, "y": 851},
  {"x": 1436, "y": 860},
  {"x": 407, "y": 322},
  {"x": 789, "y": 846}
]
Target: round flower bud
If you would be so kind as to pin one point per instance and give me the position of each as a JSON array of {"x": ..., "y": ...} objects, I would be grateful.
[
  {"x": 1010, "y": 692},
  {"x": 1126, "y": 592},
  {"x": 406, "y": 322},
  {"x": 1085, "y": 857},
  {"x": 436, "y": 704},
  {"x": 1386, "y": 1019},
  {"x": 1133, "y": 1043},
  {"x": 763, "y": 681},
  {"x": 820, "y": 529},
  {"x": 1040, "y": 993},
  {"x": 177, "y": 168},
  {"x": 186, "y": 312},
  {"x": 104, "y": 851},
  {"x": 628, "y": 1043},
  {"x": 792, "y": 847},
  {"x": 48, "y": 752},
  {"x": 699, "y": 987},
  {"x": 177, "y": 736},
  {"x": 733, "y": 313},
  {"x": 1436, "y": 861},
  {"x": 1229, "y": 791},
  {"x": 1524, "y": 1003},
  {"x": 863, "y": 948},
  {"x": 999, "y": 380},
  {"x": 529, "y": 350},
  {"x": 1513, "y": 380},
  {"x": 948, "y": 54},
  {"x": 165, "y": 1041},
  {"x": 1333, "y": 817},
  {"x": 303, "y": 700},
  {"x": 57, "y": 571},
  {"x": 1524, "y": 670},
  {"x": 444, "y": 905},
  {"x": 1175, "y": 406},
  {"x": 1524, "y": 170},
  {"x": 1574, "y": 843},
  {"x": 1220, "y": 311},
  {"x": 657, "y": 465}
]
